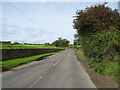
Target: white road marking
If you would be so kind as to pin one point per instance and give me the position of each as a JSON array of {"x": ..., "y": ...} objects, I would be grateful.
[
  {"x": 57, "y": 62},
  {"x": 35, "y": 82}
]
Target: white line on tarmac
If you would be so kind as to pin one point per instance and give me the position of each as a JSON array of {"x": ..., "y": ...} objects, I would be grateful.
[
  {"x": 35, "y": 82},
  {"x": 57, "y": 62}
]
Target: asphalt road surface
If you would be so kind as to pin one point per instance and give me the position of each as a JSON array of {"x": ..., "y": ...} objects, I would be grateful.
[{"x": 61, "y": 70}]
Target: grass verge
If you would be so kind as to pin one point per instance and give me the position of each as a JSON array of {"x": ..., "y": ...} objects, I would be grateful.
[
  {"x": 80, "y": 54},
  {"x": 9, "y": 64},
  {"x": 108, "y": 69}
]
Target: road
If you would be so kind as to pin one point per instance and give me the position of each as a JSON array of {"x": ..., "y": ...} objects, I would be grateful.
[{"x": 61, "y": 70}]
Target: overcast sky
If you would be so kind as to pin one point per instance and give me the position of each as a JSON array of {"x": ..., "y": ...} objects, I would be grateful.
[{"x": 40, "y": 22}]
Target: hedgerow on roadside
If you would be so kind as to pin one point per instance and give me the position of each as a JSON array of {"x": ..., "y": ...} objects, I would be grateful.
[{"x": 98, "y": 27}]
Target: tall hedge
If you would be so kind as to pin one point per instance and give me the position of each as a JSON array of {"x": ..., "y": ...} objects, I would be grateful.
[
  {"x": 99, "y": 29},
  {"x": 96, "y": 18}
]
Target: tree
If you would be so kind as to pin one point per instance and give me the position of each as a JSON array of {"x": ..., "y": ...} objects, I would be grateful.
[
  {"x": 96, "y": 18},
  {"x": 47, "y": 43},
  {"x": 61, "y": 42},
  {"x": 5, "y": 42},
  {"x": 98, "y": 27},
  {"x": 15, "y": 43}
]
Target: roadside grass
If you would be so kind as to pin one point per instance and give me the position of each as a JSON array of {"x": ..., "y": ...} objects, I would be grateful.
[
  {"x": 9, "y": 64},
  {"x": 80, "y": 54},
  {"x": 111, "y": 70},
  {"x": 106, "y": 68},
  {"x": 21, "y": 46}
]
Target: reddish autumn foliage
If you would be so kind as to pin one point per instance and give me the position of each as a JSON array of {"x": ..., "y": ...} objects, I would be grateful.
[{"x": 96, "y": 18}]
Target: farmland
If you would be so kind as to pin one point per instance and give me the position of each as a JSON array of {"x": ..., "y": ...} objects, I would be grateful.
[
  {"x": 25, "y": 46},
  {"x": 29, "y": 53},
  {"x": 7, "y": 65}
]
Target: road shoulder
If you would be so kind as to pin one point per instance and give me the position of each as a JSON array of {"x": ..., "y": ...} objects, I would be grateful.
[{"x": 99, "y": 81}]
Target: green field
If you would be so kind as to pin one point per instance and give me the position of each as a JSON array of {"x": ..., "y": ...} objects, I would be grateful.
[
  {"x": 7, "y": 65},
  {"x": 21, "y": 46}
]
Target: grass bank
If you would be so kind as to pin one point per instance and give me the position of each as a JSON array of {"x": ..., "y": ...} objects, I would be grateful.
[
  {"x": 9, "y": 64},
  {"x": 25, "y": 46},
  {"x": 105, "y": 68}
]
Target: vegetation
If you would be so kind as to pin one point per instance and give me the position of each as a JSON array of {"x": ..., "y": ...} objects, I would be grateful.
[
  {"x": 95, "y": 19},
  {"x": 79, "y": 52},
  {"x": 98, "y": 33},
  {"x": 61, "y": 42},
  {"x": 24, "y": 46},
  {"x": 5, "y": 42},
  {"x": 110, "y": 69},
  {"x": 7, "y": 65}
]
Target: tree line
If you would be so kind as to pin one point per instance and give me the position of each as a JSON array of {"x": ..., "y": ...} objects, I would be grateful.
[
  {"x": 61, "y": 42},
  {"x": 58, "y": 43}
]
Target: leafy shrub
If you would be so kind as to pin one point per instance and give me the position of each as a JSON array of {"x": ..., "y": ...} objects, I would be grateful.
[
  {"x": 96, "y": 18},
  {"x": 99, "y": 29},
  {"x": 102, "y": 45}
]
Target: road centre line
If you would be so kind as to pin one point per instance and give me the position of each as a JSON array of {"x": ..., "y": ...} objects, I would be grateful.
[
  {"x": 41, "y": 76},
  {"x": 57, "y": 62},
  {"x": 35, "y": 82}
]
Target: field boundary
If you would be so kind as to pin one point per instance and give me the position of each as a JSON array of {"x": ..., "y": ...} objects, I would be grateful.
[
  {"x": 8, "y": 54},
  {"x": 9, "y": 64}
]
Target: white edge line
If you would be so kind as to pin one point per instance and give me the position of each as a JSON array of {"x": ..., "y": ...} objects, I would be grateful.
[{"x": 35, "y": 82}]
